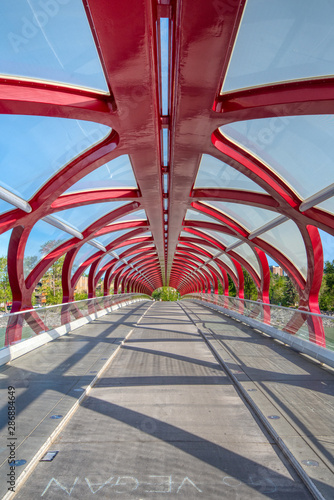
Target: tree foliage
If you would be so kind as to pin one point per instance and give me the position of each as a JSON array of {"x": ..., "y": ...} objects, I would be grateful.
[
  {"x": 250, "y": 291},
  {"x": 165, "y": 293},
  {"x": 290, "y": 293},
  {"x": 326, "y": 295},
  {"x": 51, "y": 283},
  {"x": 5, "y": 291}
]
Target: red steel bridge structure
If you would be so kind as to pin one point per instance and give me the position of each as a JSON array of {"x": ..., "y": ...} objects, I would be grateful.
[{"x": 216, "y": 119}]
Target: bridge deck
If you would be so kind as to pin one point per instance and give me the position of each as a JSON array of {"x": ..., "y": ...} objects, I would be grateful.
[{"x": 164, "y": 420}]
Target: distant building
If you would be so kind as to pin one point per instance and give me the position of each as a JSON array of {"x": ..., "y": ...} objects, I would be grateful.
[
  {"x": 82, "y": 285},
  {"x": 277, "y": 270}
]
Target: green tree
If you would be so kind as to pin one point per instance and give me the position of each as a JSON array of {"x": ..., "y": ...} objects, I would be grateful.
[
  {"x": 276, "y": 289},
  {"x": 250, "y": 290},
  {"x": 326, "y": 295},
  {"x": 232, "y": 291},
  {"x": 156, "y": 294},
  {"x": 290, "y": 297},
  {"x": 165, "y": 293},
  {"x": 80, "y": 296},
  {"x": 5, "y": 291},
  {"x": 51, "y": 283},
  {"x": 29, "y": 263}
]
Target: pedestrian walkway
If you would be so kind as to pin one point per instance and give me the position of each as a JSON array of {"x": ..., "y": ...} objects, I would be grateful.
[
  {"x": 163, "y": 421},
  {"x": 293, "y": 389},
  {"x": 49, "y": 382}
]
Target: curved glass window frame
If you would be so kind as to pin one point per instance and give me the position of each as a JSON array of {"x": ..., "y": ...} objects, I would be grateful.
[
  {"x": 232, "y": 210},
  {"x": 269, "y": 37},
  {"x": 278, "y": 143},
  {"x": 232, "y": 178},
  {"x": 31, "y": 143},
  {"x": 50, "y": 42}
]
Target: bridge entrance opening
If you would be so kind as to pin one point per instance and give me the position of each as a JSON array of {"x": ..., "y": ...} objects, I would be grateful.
[{"x": 166, "y": 293}]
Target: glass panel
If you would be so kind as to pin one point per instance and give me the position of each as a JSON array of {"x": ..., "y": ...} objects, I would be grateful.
[
  {"x": 213, "y": 173},
  {"x": 255, "y": 217},
  {"x": 291, "y": 146},
  {"x": 49, "y": 40},
  {"x": 327, "y": 205},
  {"x": 42, "y": 239},
  {"x": 144, "y": 234},
  {"x": 120, "y": 250},
  {"x": 119, "y": 263},
  {"x": 185, "y": 234},
  {"x": 226, "y": 239},
  {"x": 327, "y": 245},
  {"x": 149, "y": 248},
  {"x": 138, "y": 215},
  {"x": 115, "y": 174},
  {"x": 282, "y": 40},
  {"x": 214, "y": 265},
  {"x": 287, "y": 239},
  {"x": 103, "y": 262},
  {"x": 84, "y": 253},
  {"x": 164, "y": 41},
  {"x": 183, "y": 245},
  {"x": 194, "y": 215},
  {"x": 165, "y": 182},
  {"x": 224, "y": 258},
  {"x": 5, "y": 206},
  {"x": 108, "y": 238},
  {"x": 83, "y": 216},
  {"x": 39, "y": 147},
  {"x": 165, "y": 146},
  {"x": 4, "y": 242},
  {"x": 247, "y": 253},
  {"x": 209, "y": 249}
]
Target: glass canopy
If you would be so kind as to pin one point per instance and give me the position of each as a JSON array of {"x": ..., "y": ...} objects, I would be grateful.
[
  {"x": 327, "y": 205},
  {"x": 133, "y": 216},
  {"x": 83, "y": 216},
  {"x": 298, "y": 148},
  {"x": 49, "y": 41},
  {"x": 117, "y": 173},
  {"x": 108, "y": 238},
  {"x": 120, "y": 250},
  {"x": 249, "y": 217},
  {"x": 5, "y": 206},
  {"x": 280, "y": 40},
  {"x": 39, "y": 147},
  {"x": 83, "y": 254},
  {"x": 214, "y": 173},
  {"x": 4, "y": 242},
  {"x": 207, "y": 248},
  {"x": 248, "y": 254},
  {"x": 194, "y": 215},
  {"x": 226, "y": 259},
  {"x": 42, "y": 239},
  {"x": 107, "y": 258},
  {"x": 287, "y": 239},
  {"x": 225, "y": 239}
]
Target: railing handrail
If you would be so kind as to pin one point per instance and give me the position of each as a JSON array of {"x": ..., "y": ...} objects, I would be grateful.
[
  {"x": 291, "y": 309},
  {"x": 40, "y": 309}
]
